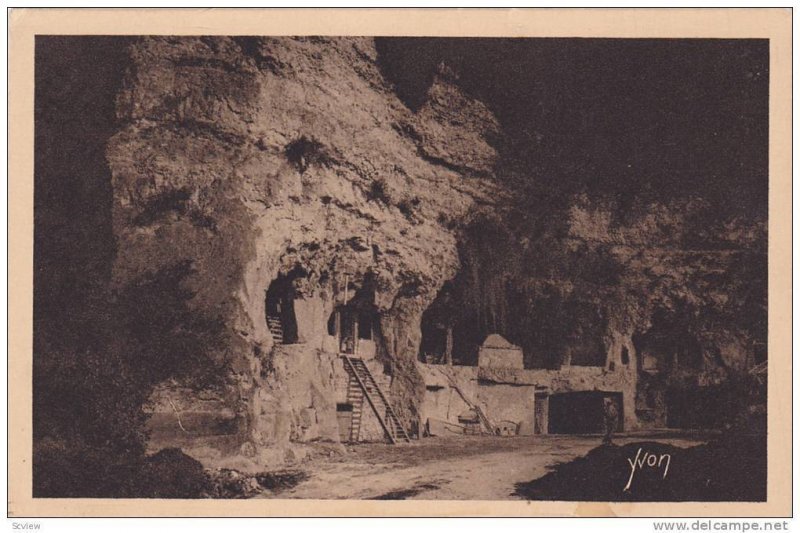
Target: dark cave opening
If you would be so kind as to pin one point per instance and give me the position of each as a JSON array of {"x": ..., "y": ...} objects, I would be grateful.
[
  {"x": 581, "y": 412},
  {"x": 669, "y": 344},
  {"x": 452, "y": 331},
  {"x": 586, "y": 351},
  {"x": 668, "y": 355},
  {"x": 433, "y": 346},
  {"x": 279, "y": 305},
  {"x": 436, "y": 345}
]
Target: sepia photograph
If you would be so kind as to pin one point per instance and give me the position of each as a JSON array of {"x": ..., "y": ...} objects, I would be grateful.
[{"x": 434, "y": 268}]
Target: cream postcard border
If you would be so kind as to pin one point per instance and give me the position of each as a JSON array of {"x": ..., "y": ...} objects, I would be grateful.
[{"x": 774, "y": 24}]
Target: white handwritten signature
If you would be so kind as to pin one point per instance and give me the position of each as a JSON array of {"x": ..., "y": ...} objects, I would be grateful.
[{"x": 651, "y": 461}]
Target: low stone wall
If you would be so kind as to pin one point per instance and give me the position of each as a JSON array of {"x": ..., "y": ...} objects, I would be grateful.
[{"x": 509, "y": 394}]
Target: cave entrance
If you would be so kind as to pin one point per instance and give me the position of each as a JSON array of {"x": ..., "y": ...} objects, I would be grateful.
[
  {"x": 668, "y": 345},
  {"x": 279, "y": 306},
  {"x": 355, "y": 324},
  {"x": 581, "y": 412},
  {"x": 436, "y": 344},
  {"x": 586, "y": 351}
]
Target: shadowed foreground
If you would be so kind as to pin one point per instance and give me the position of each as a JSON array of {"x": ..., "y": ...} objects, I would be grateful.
[
  {"x": 733, "y": 468},
  {"x": 464, "y": 468}
]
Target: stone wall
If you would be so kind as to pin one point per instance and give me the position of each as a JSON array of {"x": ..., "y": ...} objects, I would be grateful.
[{"x": 509, "y": 393}]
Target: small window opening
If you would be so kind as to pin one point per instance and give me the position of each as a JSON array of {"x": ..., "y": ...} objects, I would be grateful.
[{"x": 624, "y": 356}]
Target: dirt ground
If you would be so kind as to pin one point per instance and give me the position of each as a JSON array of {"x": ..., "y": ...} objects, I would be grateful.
[{"x": 464, "y": 468}]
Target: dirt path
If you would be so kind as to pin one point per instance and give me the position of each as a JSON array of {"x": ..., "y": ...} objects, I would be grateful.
[{"x": 469, "y": 468}]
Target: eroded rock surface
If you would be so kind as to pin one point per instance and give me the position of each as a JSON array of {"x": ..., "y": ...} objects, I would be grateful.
[
  {"x": 243, "y": 162},
  {"x": 243, "y": 159}
]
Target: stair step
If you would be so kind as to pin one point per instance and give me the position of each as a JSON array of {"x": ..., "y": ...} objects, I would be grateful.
[{"x": 363, "y": 385}]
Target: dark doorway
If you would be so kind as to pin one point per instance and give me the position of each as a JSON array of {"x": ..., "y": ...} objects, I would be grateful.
[
  {"x": 581, "y": 412},
  {"x": 433, "y": 345},
  {"x": 279, "y": 305}
]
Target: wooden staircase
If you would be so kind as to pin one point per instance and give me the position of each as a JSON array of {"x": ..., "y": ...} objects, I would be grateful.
[
  {"x": 362, "y": 385},
  {"x": 275, "y": 328}
]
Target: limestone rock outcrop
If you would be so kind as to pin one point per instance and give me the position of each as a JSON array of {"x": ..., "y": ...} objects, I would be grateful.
[
  {"x": 243, "y": 159},
  {"x": 242, "y": 162}
]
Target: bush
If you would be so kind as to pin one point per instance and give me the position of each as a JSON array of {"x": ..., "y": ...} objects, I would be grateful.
[{"x": 378, "y": 191}]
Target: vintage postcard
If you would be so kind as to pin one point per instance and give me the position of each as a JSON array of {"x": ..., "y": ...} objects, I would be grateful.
[{"x": 400, "y": 262}]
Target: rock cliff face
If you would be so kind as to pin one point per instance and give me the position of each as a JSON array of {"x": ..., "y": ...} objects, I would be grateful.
[
  {"x": 242, "y": 160},
  {"x": 247, "y": 165}
]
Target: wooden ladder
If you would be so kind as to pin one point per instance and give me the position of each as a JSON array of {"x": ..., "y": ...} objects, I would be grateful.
[
  {"x": 362, "y": 386},
  {"x": 275, "y": 328},
  {"x": 481, "y": 416}
]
